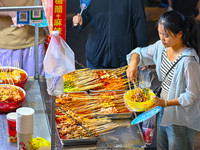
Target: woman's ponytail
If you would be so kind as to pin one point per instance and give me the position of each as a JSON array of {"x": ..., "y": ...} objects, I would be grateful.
[{"x": 190, "y": 37}]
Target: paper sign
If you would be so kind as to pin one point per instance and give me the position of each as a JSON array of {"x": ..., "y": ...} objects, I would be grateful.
[
  {"x": 44, "y": 24},
  {"x": 30, "y": 17},
  {"x": 23, "y": 17},
  {"x": 36, "y": 16}
]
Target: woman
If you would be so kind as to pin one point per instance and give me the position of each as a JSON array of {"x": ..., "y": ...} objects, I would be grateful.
[{"x": 179, "y": 119}]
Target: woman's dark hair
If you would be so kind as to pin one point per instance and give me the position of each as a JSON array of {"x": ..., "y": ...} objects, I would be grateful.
[{"x": 175, "y": 22}]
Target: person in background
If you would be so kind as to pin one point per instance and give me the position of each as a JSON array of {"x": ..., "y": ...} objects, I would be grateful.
[
  {"x": 186, "y": 7},
  {"x": 116, "y": 27},
  {"x": 17, "y": 42},
  {"x": 179, "y": 118},
  {"x": 198, "y": 16}
]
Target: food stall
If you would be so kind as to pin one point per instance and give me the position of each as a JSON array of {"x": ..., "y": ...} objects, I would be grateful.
[
  {"x": 116, "y": 133},
  {"x": 123, "y": 136},
  {"x": 126, "y": 136}
]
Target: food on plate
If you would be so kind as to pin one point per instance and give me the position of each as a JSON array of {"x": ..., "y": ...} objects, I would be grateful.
[
  {"x": 10, "y": 94},
  {"x": 13, "y": 75},
  {"x": 10, "y": 75},
  {"x": 139, "y": 99},
  {"x": 11, "y": 97},
  {"x": 140, "y": 95}
]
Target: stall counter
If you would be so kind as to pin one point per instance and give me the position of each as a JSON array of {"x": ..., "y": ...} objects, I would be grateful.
[{"x": 125, "y": 137}]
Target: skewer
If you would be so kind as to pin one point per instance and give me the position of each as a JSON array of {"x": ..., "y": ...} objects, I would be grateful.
[
  {"x": 129, "y": 84},
  {"x": 2, "y": 60},
  {"x": 107, "y": 132},
  {"x": 122, "y": 110},
  {"x": 18, "y": 64},
  {"x": 89, "y": 87},
  {"x": 104, "y": 94},
  {"x": 99, "y": 132},
  {"x": 85, "y": 106},
  {"x": 84, "y": 81},
  {"x": 153, "y": 76},
  {"x": 105, "y": 126},
  {"x": 120, "y": 104},
  {"x": 142, "y": 81}
]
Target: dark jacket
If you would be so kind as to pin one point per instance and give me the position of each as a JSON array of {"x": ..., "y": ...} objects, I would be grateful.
[
  {"x": 116, "y": 28},
  {"x": 186, "y": 7}
]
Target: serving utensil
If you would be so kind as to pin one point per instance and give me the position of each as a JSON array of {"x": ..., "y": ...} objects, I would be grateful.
[{"x": 84, "y": 4}]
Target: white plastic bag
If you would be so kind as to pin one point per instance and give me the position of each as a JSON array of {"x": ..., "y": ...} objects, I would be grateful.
[
  {"x": 145, "y": 81},
  {"x": 59, "y": 60},
  {"x": 55, "y": 85}
]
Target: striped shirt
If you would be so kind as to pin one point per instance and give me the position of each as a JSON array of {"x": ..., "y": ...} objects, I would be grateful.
[{"x": 165, "y": 66}]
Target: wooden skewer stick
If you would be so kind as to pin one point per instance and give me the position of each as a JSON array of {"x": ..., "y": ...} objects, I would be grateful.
[
  {"x": 99, "y": 132},
  {"x": 153, "y": 76},
  {"x": 129, "y": 84}
]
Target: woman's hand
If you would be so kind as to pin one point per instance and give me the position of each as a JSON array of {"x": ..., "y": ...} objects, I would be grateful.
[
  {"x": 159, "y": 101},
  {"x": 131, "y": 72},
  {"x": 77, "y": 20}
]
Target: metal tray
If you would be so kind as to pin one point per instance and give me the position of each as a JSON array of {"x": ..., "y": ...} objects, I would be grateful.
[
  {"x": 81, "y": 141},
  {"x": 118, "y": 115},
  {"x": 85, "y": 141}
]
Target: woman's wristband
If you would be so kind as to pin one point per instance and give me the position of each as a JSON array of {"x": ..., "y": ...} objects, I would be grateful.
[{"x": 165, "y": 103}]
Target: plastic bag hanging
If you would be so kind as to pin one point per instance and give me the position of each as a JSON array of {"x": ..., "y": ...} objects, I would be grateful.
[
  {"x": 148, "y": 127},
  {"x": 145, "y": 81},
  {"x": 59, "y": 60}
]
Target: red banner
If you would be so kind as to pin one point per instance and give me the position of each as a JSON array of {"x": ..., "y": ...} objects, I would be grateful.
[{"x": 55, "y": 11}]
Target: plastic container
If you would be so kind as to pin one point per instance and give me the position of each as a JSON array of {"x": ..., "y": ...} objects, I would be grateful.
[
  {"x": 11, "y": 120},
  {"x": 138, "y": 106}
]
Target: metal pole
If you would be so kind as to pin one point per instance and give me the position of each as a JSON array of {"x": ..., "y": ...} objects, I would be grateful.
[
  {"x": 21, "y": 8},
  {"x": 53, "y": 122},
  {"x": 36, "y": 44},
  {"x": 140, "y": 130}
]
